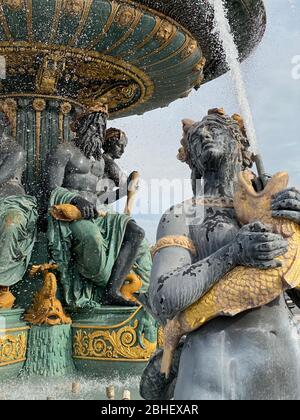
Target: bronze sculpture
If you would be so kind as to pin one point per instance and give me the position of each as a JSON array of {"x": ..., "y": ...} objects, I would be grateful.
[
  {"x": 104, "y": 249},
  {"x": 18, "y": 215}
]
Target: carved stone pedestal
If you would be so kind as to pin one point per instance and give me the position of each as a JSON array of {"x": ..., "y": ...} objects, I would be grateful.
[{"x": 49, "y": 352}]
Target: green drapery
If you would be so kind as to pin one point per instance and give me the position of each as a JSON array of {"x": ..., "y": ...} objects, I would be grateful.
[
  {"x": 18, "y": 217},
  {"x": 87, "y": 250}
]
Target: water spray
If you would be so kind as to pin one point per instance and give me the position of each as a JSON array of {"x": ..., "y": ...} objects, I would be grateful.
[{"x": 226, "y": 38}]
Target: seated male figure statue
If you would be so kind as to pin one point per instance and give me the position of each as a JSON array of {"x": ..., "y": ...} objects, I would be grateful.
[
  {"x": 102, "y": 249},
  {"x": 18, "y": 216}
]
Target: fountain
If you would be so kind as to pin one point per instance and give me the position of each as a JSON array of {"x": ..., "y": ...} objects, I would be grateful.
[{"x": 62, "y": 58}]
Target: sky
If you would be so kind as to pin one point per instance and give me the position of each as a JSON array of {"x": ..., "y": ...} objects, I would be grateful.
[{"x": 272, "y": 77}]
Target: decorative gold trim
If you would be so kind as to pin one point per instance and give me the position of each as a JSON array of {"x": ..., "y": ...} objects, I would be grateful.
[
  {"x": 110, "y": 21},
  {"x": 83, "y": 19},
  {"x": 135, "y": 74},
  {"x": 74, "y": 7},
  {"x": 174, "y": 241},
  {"x": 12, "y": 349},
  {"x": 13, "y": 362},
  {"x": 137, "y": 18},
  {"x": 108, "y": 327},
  {"x": 156, "y": 13},
  {"x": 10, "y": 330},
  {"x": 56, "y": 18},
  {"x": 161, "y": 47},
  {"x": 48, "y": 97},
  {"x": 147, "y": 38},
  {"x": 177, "y": 52},
  {"x": 39, "y": 105},
  {"x": 120, "y": 344},
  {"x": 64, "y": 110},
  {"x": 4, "y": 23},
  {"x": 108, "y": 359},
  {"x": 13, "y": 4},
  {"x": 9, "y": 107},
  {"x": 29, "y": 19}
]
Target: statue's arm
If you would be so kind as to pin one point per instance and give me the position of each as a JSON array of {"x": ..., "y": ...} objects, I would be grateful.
[
  {"x": 177, "y": 282},
  {"x": 57, "y": 162},
  {"x": 115, "y": 173},
  {"x": 10, "y": 162}
]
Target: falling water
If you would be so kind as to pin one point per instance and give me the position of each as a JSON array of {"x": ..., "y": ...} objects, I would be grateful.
[{"x": 223, "y": 30}]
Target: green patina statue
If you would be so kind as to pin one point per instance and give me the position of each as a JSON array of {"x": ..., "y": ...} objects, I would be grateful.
[
  {"x": 18, "y": 215},
  {"x": 96, "y": 254}
]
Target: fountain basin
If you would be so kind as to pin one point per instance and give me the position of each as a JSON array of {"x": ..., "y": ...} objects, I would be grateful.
[
  {"x": 113, "y": 339},
  {"x": 133, "y": 55}
]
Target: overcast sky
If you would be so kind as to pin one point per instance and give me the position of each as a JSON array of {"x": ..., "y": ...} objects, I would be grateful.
[{"x": 274, "y": 96}]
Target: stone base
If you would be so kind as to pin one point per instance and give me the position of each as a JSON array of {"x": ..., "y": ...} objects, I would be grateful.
[
  {"x": 113, "y": 341},
  {"x": 49, "y": 352},
  {"x": 13, "y": 343}
]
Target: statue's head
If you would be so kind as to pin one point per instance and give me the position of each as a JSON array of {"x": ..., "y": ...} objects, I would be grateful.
[
  {"x": 217, "y": 140},
  {"x": 90, "y": 129},
  {"x": 115, "y": 143}
]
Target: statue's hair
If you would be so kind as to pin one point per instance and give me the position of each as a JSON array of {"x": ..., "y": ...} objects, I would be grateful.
[
  {"x": 112, "y": 136},
  {"x": 236, "y": 128},
  {"x": 89, "y": 141}
]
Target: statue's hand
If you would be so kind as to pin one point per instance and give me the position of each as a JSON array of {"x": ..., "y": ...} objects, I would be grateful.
[
  {"x": 87, "y": 209},
  {"x": 257, "y": 246},
  {"x": 286, "y": 204}
]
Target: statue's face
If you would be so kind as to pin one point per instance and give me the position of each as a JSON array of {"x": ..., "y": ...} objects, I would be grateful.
[
  {"x": 117, "y": 148},
  {"x": 212, "y": 144}
]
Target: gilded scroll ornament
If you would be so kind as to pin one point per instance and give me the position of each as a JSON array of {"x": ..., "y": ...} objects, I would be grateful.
[
  {"x": 174, "y": 241},
  {"x": 12, "y": 348},
  {"x": 118, "y": 345}
]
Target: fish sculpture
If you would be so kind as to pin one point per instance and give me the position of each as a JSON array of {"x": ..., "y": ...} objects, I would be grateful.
[
  {"x": 46, "y": 308},
  {"x": 243, "y": 288}
]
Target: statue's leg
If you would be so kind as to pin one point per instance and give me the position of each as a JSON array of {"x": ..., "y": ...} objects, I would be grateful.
[
  {"x": 134, "y": 236},
  {"x": 89, "y": 251}
]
